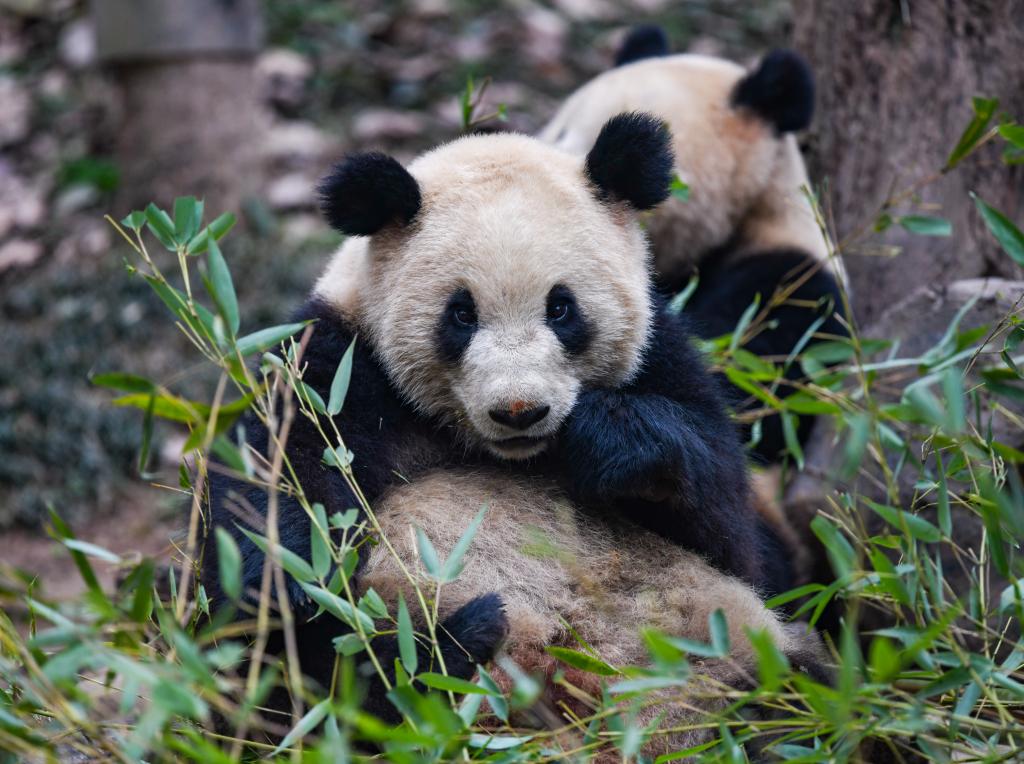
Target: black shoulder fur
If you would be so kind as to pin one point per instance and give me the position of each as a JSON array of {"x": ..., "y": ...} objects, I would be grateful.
[
  {"x": 663, "y": 450},
  {"x": 724, "y": 291}
]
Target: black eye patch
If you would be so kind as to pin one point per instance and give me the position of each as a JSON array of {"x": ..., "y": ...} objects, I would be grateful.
[
  {"x": 457, "y": 326},
  {"x": 564, "y": 318}
]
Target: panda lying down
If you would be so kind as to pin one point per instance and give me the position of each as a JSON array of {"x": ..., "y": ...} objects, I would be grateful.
[{"x": 512, "y": 351}]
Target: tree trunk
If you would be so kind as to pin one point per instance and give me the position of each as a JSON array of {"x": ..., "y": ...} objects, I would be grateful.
[
  {"x": 895, "y": 82},
  {"x": 191, "y": 122}
]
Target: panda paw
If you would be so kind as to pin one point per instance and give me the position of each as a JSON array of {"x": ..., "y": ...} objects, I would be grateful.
[
  {"x": 617, "y": 446},
  {"x": 479, "y": 627},
  {"x": 303, "y": 608}
]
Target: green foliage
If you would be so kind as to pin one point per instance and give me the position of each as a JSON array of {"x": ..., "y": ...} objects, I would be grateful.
[
  {"x": 99, "y": 173},
  {"x": 141, "y": 670},
  {"x": 470, "y": 101}
]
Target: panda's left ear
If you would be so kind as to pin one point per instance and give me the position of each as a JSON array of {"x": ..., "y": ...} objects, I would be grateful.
[
  {"x": 632, "y": 161},
  {"x": 365, "y": 192}
]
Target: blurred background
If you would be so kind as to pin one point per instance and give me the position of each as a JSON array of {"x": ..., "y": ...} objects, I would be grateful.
[{"x": 109, "y": 105}]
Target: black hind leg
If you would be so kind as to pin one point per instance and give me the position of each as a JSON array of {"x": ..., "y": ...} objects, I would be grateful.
[
  {"x": 468, "y": 637},
  {"x": 724, "y": 292}
]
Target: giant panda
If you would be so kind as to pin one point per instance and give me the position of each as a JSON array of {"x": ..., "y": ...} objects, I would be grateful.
[
  {"x": 747, "y": 228},
  {"x": 508, "y": 335}
]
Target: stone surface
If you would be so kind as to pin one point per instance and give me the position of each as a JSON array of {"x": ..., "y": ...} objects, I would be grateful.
[
  {"x": 19, "y": 253},
  {"x": 292, "y": 191},
  {"x": 77, "y": 45},
  {"x": 377, "y": 124},
  {"x": 16, "y": 108},
  {"x": 296, "y": 141}
]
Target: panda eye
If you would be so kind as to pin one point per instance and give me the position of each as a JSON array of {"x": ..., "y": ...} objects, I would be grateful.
[
  {"x": 559, "y": 310},
  {"x": 464, "y": 316}
]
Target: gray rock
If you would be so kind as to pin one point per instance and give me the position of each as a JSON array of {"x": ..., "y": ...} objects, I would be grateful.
[
  {"x": 292, "y": 191},
  {"x": 77, "y": 44},
  {"x": 296, "y": 141},
  {"x": 16, "y": 108},
  {"x": 19, "y": 253},
  {"x": 387, "y": 124}
]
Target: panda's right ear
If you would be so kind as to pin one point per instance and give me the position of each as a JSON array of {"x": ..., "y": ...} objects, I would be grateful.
[
  {"x": 367, "y": 191},
  {"x": 631, "y": 160}
]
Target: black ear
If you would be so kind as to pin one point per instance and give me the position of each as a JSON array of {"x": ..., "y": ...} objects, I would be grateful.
[
  {"x": 781, "y": 90},
  {"x": 632, "y": 160},
  {"x": 365, "y": 192},
  {"x": 643, "y": 41}
]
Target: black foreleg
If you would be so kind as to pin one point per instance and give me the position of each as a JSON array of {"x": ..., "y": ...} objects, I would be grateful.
[{"x": 671, "y": 469}]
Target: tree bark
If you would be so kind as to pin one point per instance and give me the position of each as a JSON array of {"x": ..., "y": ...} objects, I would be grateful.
[{"x": 895, "y": 82}]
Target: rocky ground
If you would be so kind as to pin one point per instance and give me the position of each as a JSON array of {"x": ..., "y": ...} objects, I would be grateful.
[{"x": 333, "y": 77}]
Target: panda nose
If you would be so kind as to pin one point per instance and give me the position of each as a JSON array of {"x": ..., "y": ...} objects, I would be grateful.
[{"x": 517, "y": 417}]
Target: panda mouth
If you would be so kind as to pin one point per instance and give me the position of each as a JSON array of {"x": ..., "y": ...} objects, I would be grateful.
[
  {"x": 521, "y": 441},
  {"x": 520, "y": 447}
]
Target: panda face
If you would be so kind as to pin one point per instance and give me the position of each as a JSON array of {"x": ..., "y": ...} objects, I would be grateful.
[
  {"x": 514, "y": 287},
  {"x": 513, "y": 365}
]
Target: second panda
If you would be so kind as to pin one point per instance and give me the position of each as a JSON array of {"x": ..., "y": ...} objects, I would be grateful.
[{"x": 747, "y": 228}]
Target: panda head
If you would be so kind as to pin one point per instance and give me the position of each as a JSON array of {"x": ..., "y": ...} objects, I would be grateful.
[
  {"x": 733, "y": 144},
  {"x": 497, "y": 276}
]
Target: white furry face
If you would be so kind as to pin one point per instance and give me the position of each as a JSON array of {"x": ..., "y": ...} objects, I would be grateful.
[{"x": 513, "y": 287}]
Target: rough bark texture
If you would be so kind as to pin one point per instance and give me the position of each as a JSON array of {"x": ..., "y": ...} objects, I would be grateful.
[
  {"x": 895, "y": 82},
  {"x": 190, "y": 127}
]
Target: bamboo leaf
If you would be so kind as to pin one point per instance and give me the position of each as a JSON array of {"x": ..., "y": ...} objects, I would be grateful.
[
  {"x": 216, "y": 231},
  {"x": 582, "y": 661},
  {"x": 223, "y": 288},
  {"x": 339, "y": 385},
  {"x": 428, "y": 554},
  {"x": 120, "y": 381},
  {"x": 984, "y": 108},
  {"x": 406, "y": 639},
  {"x": 267, "y": 338},
  {"x": 719, "y": 629},
  {"x": 338, "y": 607},
  {"x": 188, "y": 214},
  {"x": 320, "y": 552},
  {"x": 229, "y": 564},
  {"x": 1006, "y": 233},
  {"x": 296, "y": 567},
  {"x": 926, "y": 226},
  {"x": 453, "y": 565},
  {"x": 305, "y": 725},
  {"x": 916, "y": 526},
  {"x": 451, "y": 684},
  {"x": 92, "y": 550},
  {"x": 161, "y": 226}
]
